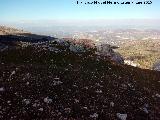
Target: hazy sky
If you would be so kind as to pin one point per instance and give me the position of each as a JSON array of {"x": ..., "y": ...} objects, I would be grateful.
[
  {"x": 48, "y": 13},
  {"x": 23, "y": 10}
]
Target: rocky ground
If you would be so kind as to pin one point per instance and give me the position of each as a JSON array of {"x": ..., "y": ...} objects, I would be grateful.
[
  {"x": 61, "y": 80},
  {"x": 42, "y": 84}
]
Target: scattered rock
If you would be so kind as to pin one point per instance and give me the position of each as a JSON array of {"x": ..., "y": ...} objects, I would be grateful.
[
  {"x": 67, "y": 110},
  {"x": 56, "y": 78},
  {"x": 158, "y": 95},
  {"x": 85, "y": 108},
  {"x": 47, "y": 100},
  {"x": 57, "y": 83},
  {"x": 95, "y": 115},
  {"x": 145, "y": 110},
  {"x": 2, "y": 89},
  {"x": 112, "y": 104},
  {"x": 121, "y": 116},
  {"x": 26, "y": 101},
  {"x": 98, "y": 91},
  {"x": 40, "y": 109},
  {"x": 27, "y": 83},
  {"x": 76, "y": 100},
  {"x": 12, "y": 73}
]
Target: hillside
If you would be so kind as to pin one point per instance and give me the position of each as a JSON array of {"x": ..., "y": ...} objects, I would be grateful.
[
  {"x": 8, "y": 31},
  {"x": 12, "y": 34},
  {"x": 60, "y": 80},
  {"x": 143, "y": 52}
]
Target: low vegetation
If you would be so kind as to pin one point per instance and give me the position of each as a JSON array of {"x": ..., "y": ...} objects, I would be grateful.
[
  {"x": 143, "y": 52},
  {"x": 40, "y": 84}
]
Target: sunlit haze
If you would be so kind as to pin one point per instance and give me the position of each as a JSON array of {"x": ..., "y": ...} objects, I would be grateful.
[{"x": 45, "y": 13}]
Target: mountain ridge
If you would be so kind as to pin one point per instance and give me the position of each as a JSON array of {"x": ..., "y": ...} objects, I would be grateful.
[{"x": 53, "y": 81}]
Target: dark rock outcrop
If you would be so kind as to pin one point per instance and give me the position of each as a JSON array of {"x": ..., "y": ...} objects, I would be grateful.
[{"x": 106, "y": 50}]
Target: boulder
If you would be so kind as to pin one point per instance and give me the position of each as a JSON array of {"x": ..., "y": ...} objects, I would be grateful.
[
  {"x": 106, "y": 50},
  {"x": 76, "y": 48}
]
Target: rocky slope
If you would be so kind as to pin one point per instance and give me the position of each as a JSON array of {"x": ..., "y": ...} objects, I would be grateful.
[{"x": 54, "y": 81}]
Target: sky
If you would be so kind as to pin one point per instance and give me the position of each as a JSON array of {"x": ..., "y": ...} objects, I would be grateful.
[{"x": 69, "y": 10}]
